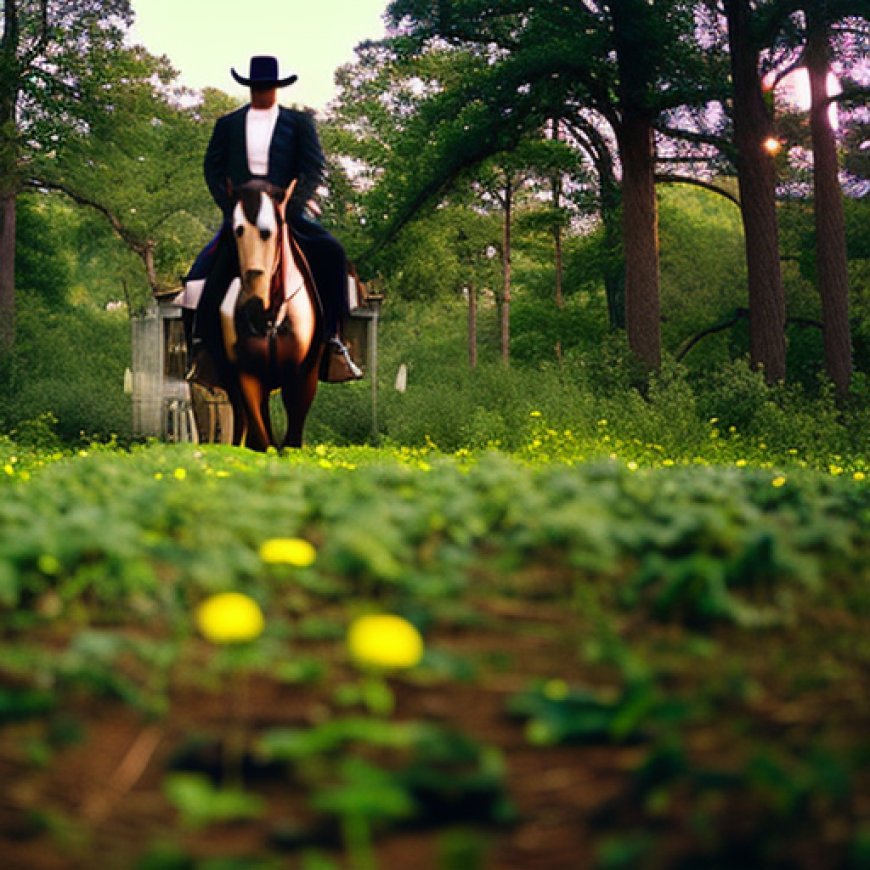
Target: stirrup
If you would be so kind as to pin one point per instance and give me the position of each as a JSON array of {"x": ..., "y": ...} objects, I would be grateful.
[{"x": 354, "y": 369}]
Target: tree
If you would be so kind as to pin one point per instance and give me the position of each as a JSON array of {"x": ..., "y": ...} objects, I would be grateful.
[
  {"x": 502, "y": 177},
  {"x": 139, "y": 165},
  {"x": 831, "y": 268},
  {"x": 753, "y": 129},
  {"x": 543, "y": 59},
  {"x": 764, "y": 41},
  {"x": 46, "y": 48}
]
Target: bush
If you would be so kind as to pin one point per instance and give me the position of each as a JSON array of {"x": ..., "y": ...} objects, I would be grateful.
[{"x": 69, "y": 364}]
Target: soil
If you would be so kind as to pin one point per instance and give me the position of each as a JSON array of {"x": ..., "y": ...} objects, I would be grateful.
[{"x": 99, "y": 800}]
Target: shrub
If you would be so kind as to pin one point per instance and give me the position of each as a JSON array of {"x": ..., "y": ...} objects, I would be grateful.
[{"x": 68, "y": 363}]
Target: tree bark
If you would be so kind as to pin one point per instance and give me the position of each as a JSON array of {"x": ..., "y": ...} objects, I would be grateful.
[
  {"x": 640, "y": 238},
  {"x": 7, "y": 271},
  {"x": 832, "y": 276},
  {"x": 635, "y": 138},
  {"x": 557, "y": 227},
  {"x": 506, "y": 263},
  {"x": 757, "y": 181},
  {"x": 9, "y": 76},
  {"x": 472, "y": 326}
]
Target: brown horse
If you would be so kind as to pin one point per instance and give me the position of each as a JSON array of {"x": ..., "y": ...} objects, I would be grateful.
[{"x": 270, "y": 321}]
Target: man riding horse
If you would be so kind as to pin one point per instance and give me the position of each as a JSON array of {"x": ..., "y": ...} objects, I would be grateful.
[{"x": 270, "y": 142}]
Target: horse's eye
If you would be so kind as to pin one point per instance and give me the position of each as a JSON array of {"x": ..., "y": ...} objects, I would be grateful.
[
  {"x": 264, "y": 234},
  {"x": 239, "y": 230}
]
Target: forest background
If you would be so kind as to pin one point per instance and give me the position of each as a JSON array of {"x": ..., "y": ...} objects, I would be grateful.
[{"x": 654, "y": 214}]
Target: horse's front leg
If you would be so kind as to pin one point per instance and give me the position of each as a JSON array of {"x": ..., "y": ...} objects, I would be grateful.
[
  {"x": 298, "y": 394},
  {"x": 257, "y": 437}
]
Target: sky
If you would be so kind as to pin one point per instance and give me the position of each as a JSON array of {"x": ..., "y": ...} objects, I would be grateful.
[{"x": 311, "y": 38}]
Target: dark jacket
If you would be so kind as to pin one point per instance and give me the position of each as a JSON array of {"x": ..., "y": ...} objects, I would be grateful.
[{"x": 294, "y": 152}]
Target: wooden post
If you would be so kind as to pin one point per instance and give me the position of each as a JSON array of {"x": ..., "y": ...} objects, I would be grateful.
[{"x": 374, "y": 300}]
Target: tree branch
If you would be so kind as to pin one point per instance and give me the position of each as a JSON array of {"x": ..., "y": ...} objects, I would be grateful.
[
  {"x": 669, "y": 178},
  {"x": 739, "y": 314},
  {"x": 79, "y": 198}
]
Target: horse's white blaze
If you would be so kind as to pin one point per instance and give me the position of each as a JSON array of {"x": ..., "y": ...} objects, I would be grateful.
[
  {"x": 257, "y": 245},
  {"x": 257, "y": 248},
  {"x": 266, "y": 221},
  {"x": 238, "y": 216}
]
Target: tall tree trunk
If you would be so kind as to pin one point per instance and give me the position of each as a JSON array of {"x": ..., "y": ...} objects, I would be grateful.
[
  {"x": 557, "y": 226},
  {"x": 472, "y": 326},
  {"x": 757, "y": 180},
  {"x": 832, "y": 276},
  {"x": 632, "y": 20},
  {"x": 7, "y": 271},
  {"x": 9, "y": 76},
  {"x": 614, "y": 263},
  {"x": 506, "y": 263},
  {"x": 640, "y": 238}
]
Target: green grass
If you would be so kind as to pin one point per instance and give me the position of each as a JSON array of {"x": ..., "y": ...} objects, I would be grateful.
[{"x": 692, "y": 627}]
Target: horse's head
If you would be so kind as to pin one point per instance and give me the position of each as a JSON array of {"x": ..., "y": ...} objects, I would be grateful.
[{"x": 258, "y": 226}]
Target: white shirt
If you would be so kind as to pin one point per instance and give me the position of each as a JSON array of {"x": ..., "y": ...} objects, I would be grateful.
[{"x": 259, "y": 126}]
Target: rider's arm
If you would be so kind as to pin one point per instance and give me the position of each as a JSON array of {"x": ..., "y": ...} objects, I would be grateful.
[
  {"x": 215, "y": 165},
  {"x": 310, "y": 162}
]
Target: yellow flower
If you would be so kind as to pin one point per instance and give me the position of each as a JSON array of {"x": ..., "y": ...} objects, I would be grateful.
[
  {"x": 534, "y": 413},
  {"x": 229, "y": 617},
  {"x": 858, "y": 475},
  {"x": 631, "y": 465},
  {"x": 288, "y": 551},
  {"x": 384, "y": 641},
  {"x": 778, "y": 481},
  {"x": 180, "y": 473}
]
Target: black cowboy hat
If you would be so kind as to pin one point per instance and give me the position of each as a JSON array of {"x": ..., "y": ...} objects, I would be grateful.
[{"x": 263, "y": 73}]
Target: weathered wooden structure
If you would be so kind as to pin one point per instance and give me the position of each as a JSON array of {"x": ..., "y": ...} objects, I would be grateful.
[{"x": 167, "y": 406}]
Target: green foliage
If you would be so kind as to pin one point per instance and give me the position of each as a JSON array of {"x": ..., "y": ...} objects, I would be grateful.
[
  {"x": 106, "y": 529},
  {"x": 200, "y": 803},
  {"x": 44, "y": 250},
  {"x": 648, "y": 419},
  {"x": 68, "y": 367},
  {"x": 557, "y": 714},
  {"x": 684, "y": 607},
  {"x": 703, "y": 273},
  {"x": 137, "y": 164}
]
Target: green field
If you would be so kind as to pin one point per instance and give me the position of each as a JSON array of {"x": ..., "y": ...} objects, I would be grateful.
[{"x": 642, "y": 661}]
